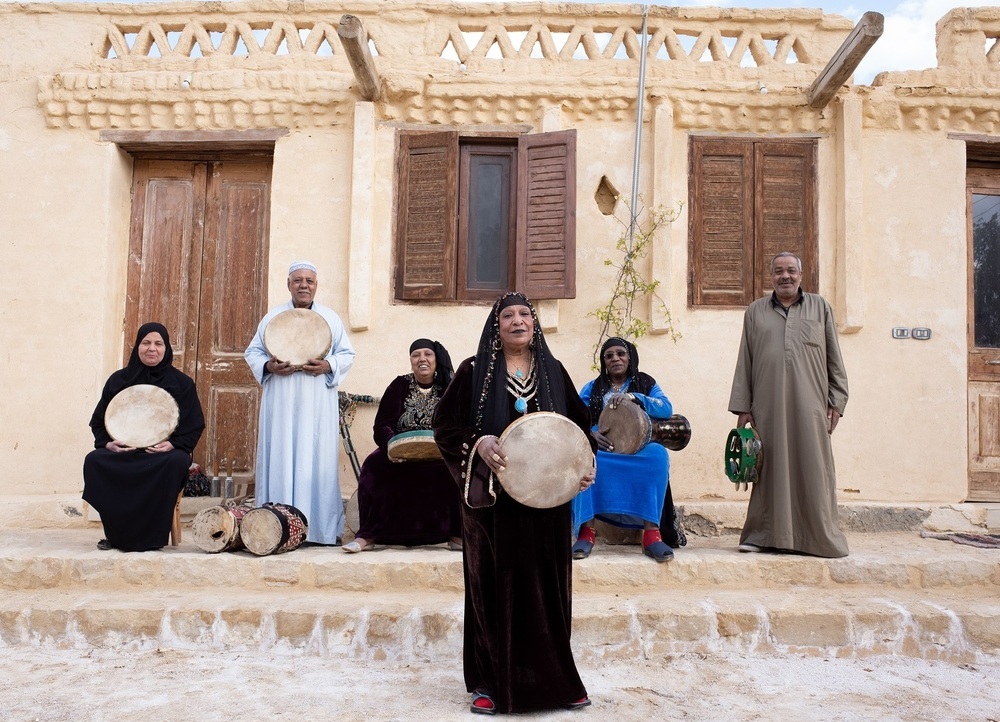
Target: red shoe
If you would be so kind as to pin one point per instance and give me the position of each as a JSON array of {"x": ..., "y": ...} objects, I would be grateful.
[
  {"x": 579, "y": 704},
  {"x": 482, "y": 704}
]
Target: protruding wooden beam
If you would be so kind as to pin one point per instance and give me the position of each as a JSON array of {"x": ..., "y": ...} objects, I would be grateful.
[
  {"x": 847, "y": 58},
  {"x": 355, "y": 42}
]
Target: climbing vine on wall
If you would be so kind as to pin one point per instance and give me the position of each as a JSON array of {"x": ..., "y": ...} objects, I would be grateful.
[{"x": 618, "y": 316}]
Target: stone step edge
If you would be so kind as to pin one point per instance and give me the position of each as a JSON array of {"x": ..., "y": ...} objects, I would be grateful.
[
  {"x": 607, "y": 571},
  {"x": 699, "y": 517},
  {"x": 648, "y": 626}
]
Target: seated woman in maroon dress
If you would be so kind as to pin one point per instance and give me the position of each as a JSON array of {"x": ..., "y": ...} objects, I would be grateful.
[
  {"x": 409, "y": 503},
  {"x": 135, "y": 490}
]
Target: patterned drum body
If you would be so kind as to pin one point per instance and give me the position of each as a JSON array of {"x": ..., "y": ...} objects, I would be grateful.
[
  {"x": 217, "y": 528},
  {"x": 273, "y": 529},
  {"x": 627, "y": 426},
  {"x": 413, "y": 446},
  {"x": 743, "y": 455},
  {"x": 673, "y": 433}
]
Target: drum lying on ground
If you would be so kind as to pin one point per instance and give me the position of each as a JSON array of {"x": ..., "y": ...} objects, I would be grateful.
[
  {"x": 627, "y": 427},
  {"x": 413, "y": 446},
  {"x": 297, "y": 335},
  {"x": 273, "y": 529},
  {"x": 547, "y": 455},
  {"x": 141, "y": 415},
  {"x": 674, "y": 433},
  {"x": 217, "y": 528}
]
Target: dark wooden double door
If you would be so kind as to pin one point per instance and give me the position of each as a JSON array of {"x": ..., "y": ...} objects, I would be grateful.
[{"x": 198, "y": 264}]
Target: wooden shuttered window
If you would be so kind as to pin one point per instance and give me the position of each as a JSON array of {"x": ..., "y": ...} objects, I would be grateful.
[
  {"x": 427, "y": 172},
  {"x": 750, "y": 199},
  {"x": 546, "y": 215},
  {"x": 434, "y": 245}
]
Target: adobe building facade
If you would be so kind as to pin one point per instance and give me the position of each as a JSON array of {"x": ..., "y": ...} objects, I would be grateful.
[{"x": 172, "y": 159}]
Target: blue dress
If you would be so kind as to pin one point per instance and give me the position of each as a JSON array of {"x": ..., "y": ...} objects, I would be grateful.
[{"x": 629, "y": 488}]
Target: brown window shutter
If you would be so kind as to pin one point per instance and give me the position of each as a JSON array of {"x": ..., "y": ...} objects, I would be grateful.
[
  {"x": 721, "y": 213},
  {"x": 427, "y": 204},
  {"x": 546, "y": 215},
  {"x": 785, "y": 209}
]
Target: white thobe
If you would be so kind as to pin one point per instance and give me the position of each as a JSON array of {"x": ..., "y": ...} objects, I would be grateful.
[{"x": 298, "y": 454}]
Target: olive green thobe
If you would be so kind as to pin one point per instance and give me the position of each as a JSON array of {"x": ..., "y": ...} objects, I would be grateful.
[{"x": 788, "y": 373}]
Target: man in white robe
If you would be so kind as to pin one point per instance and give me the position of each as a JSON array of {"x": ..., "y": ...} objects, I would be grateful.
[{"x": 298, "y": 453}]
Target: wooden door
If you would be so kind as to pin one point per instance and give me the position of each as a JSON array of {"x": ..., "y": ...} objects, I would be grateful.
[
  {"x": 198, "y": 264},
  {"x": 983, "y": 186}
]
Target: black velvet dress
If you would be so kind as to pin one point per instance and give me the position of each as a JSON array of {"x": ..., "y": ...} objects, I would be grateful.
[
  {"x": 135, "y": 491},
  {"x": 409, "y": 503},
  {"x": 518, "y": 569}
]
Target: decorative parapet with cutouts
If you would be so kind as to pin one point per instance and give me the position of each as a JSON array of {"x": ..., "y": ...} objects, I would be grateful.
[{"x": 266, "y": 64}]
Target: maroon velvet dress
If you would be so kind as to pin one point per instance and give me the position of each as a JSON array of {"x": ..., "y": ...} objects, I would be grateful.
[
  {"x": 518, "y": 571},
  {"x": 414, "y": 502}
]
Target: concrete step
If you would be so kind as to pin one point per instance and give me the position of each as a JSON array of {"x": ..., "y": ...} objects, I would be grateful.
[
  {"x": 958, "y": 626},
  {"x": 897, "y": 594},
  {"x": 68, "y": 559}
]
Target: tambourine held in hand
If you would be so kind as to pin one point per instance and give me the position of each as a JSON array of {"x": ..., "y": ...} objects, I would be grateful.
[
  {"x": 298, "y": 335},
  {"x": 743, "y": 456},
  {"x": 141, "y": 416}
]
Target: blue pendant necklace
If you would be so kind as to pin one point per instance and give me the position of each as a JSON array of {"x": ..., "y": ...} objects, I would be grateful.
[{"x": 522, "y": 388}]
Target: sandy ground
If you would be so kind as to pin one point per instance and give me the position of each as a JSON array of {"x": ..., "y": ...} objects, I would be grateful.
[{"x": 174, "y": 686}]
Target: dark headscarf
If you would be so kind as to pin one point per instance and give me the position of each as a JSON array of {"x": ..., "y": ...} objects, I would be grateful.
[
  {"x": 136, "y": 372},
  {"x": 443, "y": 370},
  {"x": 191, "y": 422},
  {"x": 490, "y": 401},
  {"x": 641, "y": 383}
]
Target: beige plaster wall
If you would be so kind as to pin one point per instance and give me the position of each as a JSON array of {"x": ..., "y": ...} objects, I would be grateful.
[{"x": 65, "y": 205}]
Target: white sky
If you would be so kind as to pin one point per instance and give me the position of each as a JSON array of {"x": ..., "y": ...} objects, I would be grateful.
[{"x": 906, "y": 44}]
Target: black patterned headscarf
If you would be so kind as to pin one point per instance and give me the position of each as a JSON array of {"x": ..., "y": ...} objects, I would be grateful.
[
  {"x": 443, "y": 370},
  {"x": 490, "y": 400},
  {"x": 641, "y": 383}
]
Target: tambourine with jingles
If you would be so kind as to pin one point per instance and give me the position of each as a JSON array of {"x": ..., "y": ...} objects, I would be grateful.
[{"x": 743, "y": 456}]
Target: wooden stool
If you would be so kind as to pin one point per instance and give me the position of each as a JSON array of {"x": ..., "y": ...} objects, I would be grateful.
[{"x": 175, "y": 527}]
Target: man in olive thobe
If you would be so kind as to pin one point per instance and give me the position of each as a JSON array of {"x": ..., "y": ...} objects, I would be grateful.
[{"x": 791, "y": 385}]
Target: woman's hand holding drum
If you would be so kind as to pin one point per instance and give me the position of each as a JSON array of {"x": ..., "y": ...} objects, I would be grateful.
[{"x": 491, "y": 452}]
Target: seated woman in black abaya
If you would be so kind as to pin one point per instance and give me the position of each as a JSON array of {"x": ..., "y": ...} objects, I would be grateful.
[
  {"x": 414, "y": 502},
  {"x": 135, "y": 490}
]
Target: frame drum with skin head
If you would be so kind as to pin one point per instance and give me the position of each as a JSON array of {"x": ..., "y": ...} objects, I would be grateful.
[
  {"x": 416, "y": 445},
  {"x": 547, "y": 455},
  {"x": 627, "y": 426},
  {"x": 142, "y": 415},
  {"x": 297, "y": 335}
]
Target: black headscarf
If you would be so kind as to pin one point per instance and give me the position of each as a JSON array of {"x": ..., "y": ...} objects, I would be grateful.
[
  {"x": 641, "y": 383},
  {"x": 490, "y": 400},
  {"x": 136, "y": 372},
  {"x": 191, "y": 422},
  {"x": 443, "y": 370}
]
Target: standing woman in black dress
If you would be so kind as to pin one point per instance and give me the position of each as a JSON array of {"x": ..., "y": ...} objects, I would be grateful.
[
  {"x": 135, "y": 490},
  {"x": 517, "y": 564}
]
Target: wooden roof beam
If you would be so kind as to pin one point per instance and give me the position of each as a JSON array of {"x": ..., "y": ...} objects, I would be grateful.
[
  {"x": 846, "y": 60},
  {"x": 355, "y": 42}
]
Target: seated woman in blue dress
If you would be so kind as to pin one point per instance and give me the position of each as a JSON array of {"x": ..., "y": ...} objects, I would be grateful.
[
  {"x": 414, "y": 502},
  {"x": 630, "y": 488}
]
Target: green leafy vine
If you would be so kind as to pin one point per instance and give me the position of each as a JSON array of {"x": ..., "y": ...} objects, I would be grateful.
[{"x": 618, "y": 316}]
